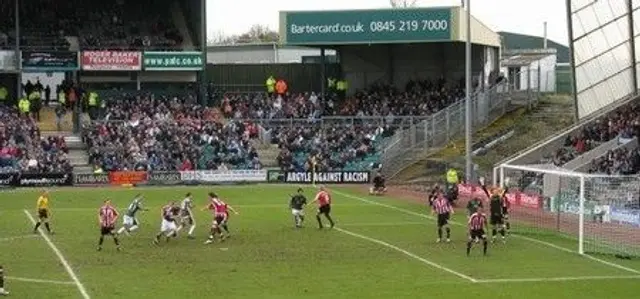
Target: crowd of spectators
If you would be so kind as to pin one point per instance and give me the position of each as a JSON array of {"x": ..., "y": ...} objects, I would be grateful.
[
  {"x": 349, "y": 147},
  {"x": 23, "y": 149},
  {"x": 623, "y": 123},
  {"x": 419, "y": 98},
  {"x": 102, "y": 25},
  {"x": 137, "y": 24},
  {"x": 621, "y": 161},
  {"x": 148, "y": 133}
]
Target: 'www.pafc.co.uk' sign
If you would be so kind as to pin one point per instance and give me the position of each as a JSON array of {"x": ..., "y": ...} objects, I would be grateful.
[{"x": 366, "y": 26}]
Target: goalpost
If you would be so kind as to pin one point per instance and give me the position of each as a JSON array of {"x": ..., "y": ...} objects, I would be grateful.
[{"x": 600, "y": 213}]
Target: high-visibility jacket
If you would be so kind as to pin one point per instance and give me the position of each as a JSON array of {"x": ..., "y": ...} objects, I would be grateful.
[
  {"x": 62, "y": 98},
  {"x": 24, "y": 105},
  {"x": 452, "y": 176},
  {"x": 93, "y": 99},
  {"x": 3, "y": 94},
  {"x": 331, "y": 83},
  {"x": 281, "y": 87},
  {"x": 34, "y": 96},
  {"x": 271, "y": 82}
]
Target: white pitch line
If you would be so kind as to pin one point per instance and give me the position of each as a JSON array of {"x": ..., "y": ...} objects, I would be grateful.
[
  {"x": 409, "y": 212},
  {"x": 551, "y": 279},
  {"x": 4, "y": 239},
  {"x": 614, "y": 265},
  {"x": 407, "y": 253},
  {"x": 62, "y": 259},
  {"x": 39, "y": 280}
]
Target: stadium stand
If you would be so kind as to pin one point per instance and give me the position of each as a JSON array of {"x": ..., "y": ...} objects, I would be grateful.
[
  {"x": 338, "y": 148},
  {"x": 22, "y": 148},
  {"x": 168, "y": 134},
  {"x": 619, "y": 162},
  {"x": 140, "y": 24},
  {"x": 47, "y": 31},
  {"x": 106, "y": 25},
  {"x": 418, "y": 99},
  {"x": 622, "y": 123}
]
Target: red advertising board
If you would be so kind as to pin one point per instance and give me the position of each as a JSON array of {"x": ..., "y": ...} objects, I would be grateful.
[
  {"x": 127, "y": 177},
  {"x": 111, "y": 61}
]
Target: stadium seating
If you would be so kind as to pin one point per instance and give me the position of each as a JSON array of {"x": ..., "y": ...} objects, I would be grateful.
[
  {"x": 46, "y": 31},
  {"x": 138, "y": 24},
  {"x": 109, "y": 25},
  {"x": 619, "y": 162},
  {"x": 420, "y": 98},
  {"x": 145, "y": 133},
  {"x": 335, "y": 148},
  {"x": 23, "y": 149},
  {"x": 621, "y": 123}
]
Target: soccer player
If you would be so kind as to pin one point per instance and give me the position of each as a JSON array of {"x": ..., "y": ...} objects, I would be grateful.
[
  {"x": 129, "y": 221},
  {"x": 168, "y": 227},
  {"x": 42, "y": 206},
  {"x": 107, "y": 217},
  {"x": 220, "y": 211},
  {"x": 435, "y": 191},
  {"x": 496, "y": 202},
  {"x": 186, "y": 215},
  {"x": 323, "y": 198},
  {"x": 3, "y": 292},
  {"x": 297, "y": 203},
  {"x": 473, "y": 205},
  {"x": 442, "y": 207},
  {"x": 477, "y": 223},
  {"x": 378, "y": 187}
]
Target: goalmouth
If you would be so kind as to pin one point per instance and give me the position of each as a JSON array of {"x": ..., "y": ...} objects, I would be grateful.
[{"x": 601, "y": 213}]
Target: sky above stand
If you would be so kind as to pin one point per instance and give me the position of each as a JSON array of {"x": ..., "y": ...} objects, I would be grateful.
[{"x": 517, "y": 16}]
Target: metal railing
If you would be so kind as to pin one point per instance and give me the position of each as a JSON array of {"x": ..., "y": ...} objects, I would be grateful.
[{"x": 439, "y": 129}]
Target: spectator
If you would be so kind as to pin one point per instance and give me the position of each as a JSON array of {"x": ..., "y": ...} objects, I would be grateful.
[{"x": 167, "y": 134}]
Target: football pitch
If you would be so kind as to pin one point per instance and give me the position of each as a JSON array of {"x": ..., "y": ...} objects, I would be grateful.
[{"x": 381, "y": 247}]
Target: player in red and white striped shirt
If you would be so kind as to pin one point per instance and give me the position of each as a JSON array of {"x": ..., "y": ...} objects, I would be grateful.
[
  {"x": 442, "y": 207},
  {"x": 220, "y": 211},
  {"x": 477, "y": 223},
  {"x": 107, "y": 217},
  {"x": 323, "y": 198}
]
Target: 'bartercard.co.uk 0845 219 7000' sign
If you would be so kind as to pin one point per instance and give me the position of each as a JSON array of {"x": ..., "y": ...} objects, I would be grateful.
[{"x": 367, "y": 26}]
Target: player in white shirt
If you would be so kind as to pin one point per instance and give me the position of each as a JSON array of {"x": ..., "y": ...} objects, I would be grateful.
[{"x": 186, "y": 215}]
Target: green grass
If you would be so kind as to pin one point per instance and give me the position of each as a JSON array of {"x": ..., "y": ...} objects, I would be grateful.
[{"x": 382, "y": 248}]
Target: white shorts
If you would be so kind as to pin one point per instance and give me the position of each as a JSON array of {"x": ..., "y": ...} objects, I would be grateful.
[
  {"x": 129, "y": 221},
  {"x": 295, "y": 212},
  {"x": 167, "y": 226}
]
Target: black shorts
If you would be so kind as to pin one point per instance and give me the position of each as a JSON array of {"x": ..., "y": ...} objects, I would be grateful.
[
  {"x": 219, "y": 219},
  {"x": 505, "y": 213},
  {"x": 496, "y": 220},
  {"x": 477, "y": 234},
  {"x": 443, "y": 219},
  {"x": 43, "y": 213},
  {"x": 107, "y": 230},
  {"x": 326, "y": 209}
]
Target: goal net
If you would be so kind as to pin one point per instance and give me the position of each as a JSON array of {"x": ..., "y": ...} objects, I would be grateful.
[{"x": 599, "y": 214}]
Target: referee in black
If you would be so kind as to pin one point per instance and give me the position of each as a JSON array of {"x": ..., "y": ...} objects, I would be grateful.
[{"x": 297, "y": 203}]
